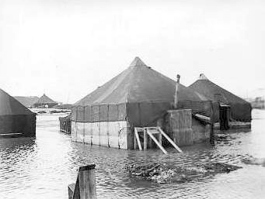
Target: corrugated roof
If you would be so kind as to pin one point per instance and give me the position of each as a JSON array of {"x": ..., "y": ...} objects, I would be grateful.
[
  {"x": 139, "y": 83},
  {"x": 214, "y": 92},
  {"x": 10, "y": 106}
]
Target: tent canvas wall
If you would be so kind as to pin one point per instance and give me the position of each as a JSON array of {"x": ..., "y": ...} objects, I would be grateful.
[
  {"x": 15, "y": 119},
  {"x": 137, "y": 97},
  {"x": 240, "y": 109}
]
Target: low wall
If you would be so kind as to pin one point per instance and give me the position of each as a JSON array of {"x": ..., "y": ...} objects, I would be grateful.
[{"x": 109, "y": 134}]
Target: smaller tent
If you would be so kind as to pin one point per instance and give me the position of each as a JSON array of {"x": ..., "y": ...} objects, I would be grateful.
[
  {"x": 45, "y": 102},
  {"x": 27, "y": 101},
  {"x": 240, "y": 110},
  {"x": 15, "y": 119}
]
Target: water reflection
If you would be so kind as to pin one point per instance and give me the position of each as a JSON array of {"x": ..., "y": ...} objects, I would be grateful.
[{"x": 43, "y": 167}]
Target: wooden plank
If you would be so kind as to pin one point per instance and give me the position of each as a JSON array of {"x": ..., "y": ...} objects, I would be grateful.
[
  {"x": 138, "y": 139},
  {"x": 113, "y": 129},
  {"x": 134, "y": 142},
  {"x": 79, "y": 132},
  {"x": 95, "y": 129},
  {"x": 145, "y": 139},
  {"x": 123, "y": 132},
  {"x": 171, "y": 142},
  {"x": 71, "y": 189},
  {"x": 87, "y": 184},
  {"x": 88, "y": 133},
  {"x": 73, "y": 131},
  {"x": 104, "y": 138},
  {"x": 157, "y": 143}
]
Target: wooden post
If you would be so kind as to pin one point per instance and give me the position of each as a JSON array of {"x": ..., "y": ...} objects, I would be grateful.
[
  {"x": 138, "y": 139},
  {"x": 87, "y": 182},
  {"x": 145, "y": 139},
  {"x": 85, "y": 186},
  {"x": 134, "y": 142},
  {"x": 211, "y": 124}
]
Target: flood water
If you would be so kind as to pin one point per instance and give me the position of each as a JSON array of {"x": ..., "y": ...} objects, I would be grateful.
[{"x": 44, "y": 166}]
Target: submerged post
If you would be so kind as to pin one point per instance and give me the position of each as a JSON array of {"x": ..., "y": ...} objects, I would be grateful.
[
  {"x": 211, "y": 124},
  {"x": 176, "y": 92},
  {"x": 85, "y": 187}
]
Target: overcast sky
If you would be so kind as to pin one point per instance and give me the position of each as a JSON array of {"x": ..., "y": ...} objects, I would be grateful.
[{"x": 67, "y": 48}]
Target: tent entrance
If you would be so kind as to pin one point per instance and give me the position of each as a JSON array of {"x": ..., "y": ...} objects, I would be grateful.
[{"x": 224, "y": 116}]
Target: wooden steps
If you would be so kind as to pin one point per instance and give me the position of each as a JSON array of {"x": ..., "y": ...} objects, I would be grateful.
[{"x": 152, "y": 132}]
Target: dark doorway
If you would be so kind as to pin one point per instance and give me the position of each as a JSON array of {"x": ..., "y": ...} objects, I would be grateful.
[{"x": 224, "y": 116}]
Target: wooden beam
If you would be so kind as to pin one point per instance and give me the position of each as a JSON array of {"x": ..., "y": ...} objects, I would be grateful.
[
  {"x": 134, "y": 142},
  {"x": 85, "y": 186},
  {"x": 171, "y": 142},
  {"x": 145, "y": 139},
  {"x": 157, "y": 143},
  {"x": 87, "y": 182},
  {"x": 138, "y": 139}
]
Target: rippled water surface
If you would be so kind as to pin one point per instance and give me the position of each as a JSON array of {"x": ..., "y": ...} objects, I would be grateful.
[{"x": 44, "y": 166}]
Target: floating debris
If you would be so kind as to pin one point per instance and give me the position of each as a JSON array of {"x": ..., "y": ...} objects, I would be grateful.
[
  {"x": 161, "y": 173},
  {"x": 254, "y": 161},
  {"x": 59, "y": 111},
  {"x": 41, "y": 112},
  {"x": 223, "y": 137}
]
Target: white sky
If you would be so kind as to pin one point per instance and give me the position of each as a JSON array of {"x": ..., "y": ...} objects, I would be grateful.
[{"x": 67, "y": 48}]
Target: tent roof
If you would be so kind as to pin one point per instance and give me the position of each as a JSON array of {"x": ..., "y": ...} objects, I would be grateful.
[
  {"x": 138, "y": 83},
  {"x": 10, "y": 106},
  {"x": 214, "y": 92},
  {"x": 27, "y": 101},
  {"x": 44, "y": 99}
]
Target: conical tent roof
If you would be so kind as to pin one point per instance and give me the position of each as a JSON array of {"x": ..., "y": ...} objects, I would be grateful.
[
  {"x": 139, "y": 83},
  {"x": 44, "y": 99},
  {"x": 214, "y": 92},
  {"x": 10, "y": 106}
]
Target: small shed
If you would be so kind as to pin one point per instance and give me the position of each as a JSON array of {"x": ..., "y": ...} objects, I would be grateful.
[{"x": 15, "y": 119}]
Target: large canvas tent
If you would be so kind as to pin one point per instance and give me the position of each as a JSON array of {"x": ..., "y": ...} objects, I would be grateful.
[
  {"x": 240, "y": 109},
  {"x": 138, "y": 96},
  {"x": 15, "y": 119},
  {"x": 45, "y": 101}
]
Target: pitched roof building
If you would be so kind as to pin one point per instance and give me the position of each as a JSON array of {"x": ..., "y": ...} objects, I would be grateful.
[{"x": 45, "y": 101}]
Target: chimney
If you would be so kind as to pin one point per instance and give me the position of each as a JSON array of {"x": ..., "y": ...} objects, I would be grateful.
[{"x": 176, "y": 97}]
